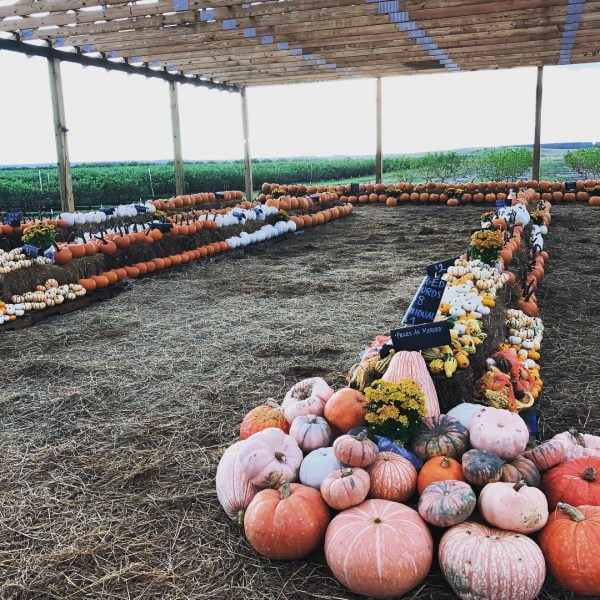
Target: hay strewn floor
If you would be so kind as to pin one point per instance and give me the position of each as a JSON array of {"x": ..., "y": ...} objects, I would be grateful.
[{"x": 112, "y": 420}]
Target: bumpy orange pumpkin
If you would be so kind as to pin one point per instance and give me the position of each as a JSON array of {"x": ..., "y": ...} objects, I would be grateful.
[{"x": 261, "y": 417}]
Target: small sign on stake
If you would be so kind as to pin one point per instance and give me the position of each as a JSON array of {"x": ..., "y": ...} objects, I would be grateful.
[
  {"x": 420, "y": 337},
  {"x": 426, "y": 301}
]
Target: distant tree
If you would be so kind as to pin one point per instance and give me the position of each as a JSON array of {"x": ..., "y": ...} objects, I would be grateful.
[
  {"x": 440, "y": 165},
  {"x": 585, "y": 161},
  {"x": 504, "y": 163}
]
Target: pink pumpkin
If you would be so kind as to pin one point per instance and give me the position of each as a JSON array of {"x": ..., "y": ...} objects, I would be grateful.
[
  {"x": 393, "y": 477},
  {"x": 499, "y": 431},
  {"x": 306, "y": 397},
  {"x": 379, "y": 548},
  {"x": 311, "y": 432},
  {"x": 345, "y": 487},
  {"x": 514, "y": 506},
  {"x": 578, "y": 445},
  {"x": 234, "y": 490},
  {"x": 270, "y": 458},
  {"x": 484, "y": 562}
]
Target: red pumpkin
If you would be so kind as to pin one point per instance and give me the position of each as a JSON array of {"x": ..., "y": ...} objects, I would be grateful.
[
  {"x": 484, "y": 562},
  {"x": 393, "y": 477},
  {"x": 546, "y": 455},
  {"x": 272, "y": 525},
  {"x": 440, "y": 436},
  {"x": 570, "y": 543},
  {"x": 574, "y": 482},
  {"x": 345, "y": 487},
  {"x": 261, "y": 417},
  {"x": 345, "y": 410},
  {"x": 355, "y": 450},
  {"x": 439, "y": 468},
  {"x": 379, "y": 548},
  {"x": 481, "y": 467},
  {"x": 447, "y": 503}
]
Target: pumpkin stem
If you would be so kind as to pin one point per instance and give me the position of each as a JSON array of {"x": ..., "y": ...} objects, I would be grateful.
[
  {"x": 346, "y": 471},
  {"x": 578, "y": 437},
  {"x": 285, "y": 490},
  {"x": 279, "y": 456},
  {"x": 445, "y": 462},
  {"x": 361, "y": 436},
  {"x": 272, "y": 403},
  {"x": 519, "y": 485},
  {"x": 240, "y": 516},
  {"x": 571, "y": 511},
  {"x": 589, "y": 474}
]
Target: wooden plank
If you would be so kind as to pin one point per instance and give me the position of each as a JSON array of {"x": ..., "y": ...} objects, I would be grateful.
[
  {"x": 176, "y": 133},
  {"x": 247, "y": 155},
  {"x": 67, "y": 201},
  {"x": 378, "y": 153},
  {"x": 537, "y": 148}
]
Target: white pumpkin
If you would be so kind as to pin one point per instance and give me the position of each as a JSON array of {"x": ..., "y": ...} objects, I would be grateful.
[
  {"x": 464, "y": 412},
  {"x": 499, "y": 431},
  {"x": 317, "y": 465}
]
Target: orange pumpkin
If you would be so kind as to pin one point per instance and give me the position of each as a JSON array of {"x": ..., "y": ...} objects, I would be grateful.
[
  {"x": 571, "y": 549},
  {"x": 272, "y": 525},
  {"x": 575, "y": 482},
  {"x": 63, "y": 256},
  {"x": 89, "y": 285},
  {"x": 101, "y": 281},
  {"x": 345, "y": 410},
  {"x": 132, "y": 272},
  {"x": 111, "y": 276},
  {"x": 439, "y": 468},
  {"x": 261, "y": 417},
  {"x": 393, "y": 477},
  {"x": 355, "y": 450}
]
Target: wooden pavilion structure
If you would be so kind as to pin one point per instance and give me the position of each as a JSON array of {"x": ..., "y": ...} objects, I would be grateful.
[{"x": 232, "y": 44}]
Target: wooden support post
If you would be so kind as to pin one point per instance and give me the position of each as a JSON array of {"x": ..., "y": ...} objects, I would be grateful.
[
  {"x": 378, "y": 153},
  {"x": 537, "y": 149},
  {"x": 247, "y": 157},
  {"x": 176, "y": 129},
  {"x": 67, "y": 201}
]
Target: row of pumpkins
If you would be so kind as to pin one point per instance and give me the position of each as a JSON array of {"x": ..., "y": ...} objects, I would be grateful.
[{"x": 310, "y": 473}]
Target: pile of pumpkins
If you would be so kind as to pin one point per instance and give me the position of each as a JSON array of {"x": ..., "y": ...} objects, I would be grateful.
[
  {"x": 309, "y": 473},
  {"x": 189, "y": 200},
  {"x": 16, "y": 259}
]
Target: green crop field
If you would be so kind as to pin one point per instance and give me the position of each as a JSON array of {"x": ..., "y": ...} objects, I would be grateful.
[{"x": 34, "y": 189}]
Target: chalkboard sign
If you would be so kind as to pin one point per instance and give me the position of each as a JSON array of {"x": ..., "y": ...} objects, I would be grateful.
[
  {"x": 14, "y": 219},
  {"x": 439, "y": 268},
  {"x": 570, "y": 186},
  {"x": 354, "y": 189},
  {"x": 220, "y": 196},
  {"x": 420, "y": 337},
  {"x": 424, "y": 305},
  {"x": 107, "y": 211},
  {"x": 500, "y": 204}
]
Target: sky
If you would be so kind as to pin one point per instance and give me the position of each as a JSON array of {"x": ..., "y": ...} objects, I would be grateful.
[{"x": 117, "y": 117}]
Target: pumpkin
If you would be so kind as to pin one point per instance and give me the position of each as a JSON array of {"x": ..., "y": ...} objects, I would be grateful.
[
  {"x": 346, "y": 409},
  {"x": 481, "y": 467},
  {"x": 574, "y": 482},
  {"x": 499, "y": 431},
  {"x": 393, "y": 477},
  {"x": 570, "y": 545},
  {"x": 482, "y": 562},
  {"x": 546, "y": 455},
  {"x": 440, "y": 436},
  {"x": 578, "y": 445},
  {"x": 345, "y": 487},
  {"x": 379, "y": 548},
  {"x": 356, "y": 451},
  {"x": 234, "y": 490},
  {"x": 270, "y": 457},
  {"x": 439, "y": 468},
  {"x": 311, "y": 432},
  {"x": 306, "y": 397},
  {"x": 412, "y": 365},
  {"x": 317, "y": 465},
  {"x": 521, "y": 469},
  {"x": 261, "y": 417},
  {"x": 447, "y": 503},
  {"x": 273, "y": 527},
  {"x": 464, "y": 412},
  {"x": 514, "y": 506}
]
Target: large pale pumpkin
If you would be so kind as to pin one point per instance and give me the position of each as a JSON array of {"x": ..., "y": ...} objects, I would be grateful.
[
  {"x": 482, "y": 562},
  {"x": 317, "y": 465},
  {"x": 499, "y": 431},
  {"x": 287, "y": 523},
  {"x": 306, "y": 397},
  {"x": 440, "y": 436},
  {"x": 464, "y": 412},
  {"x": 578, "y": 445},
  {"x": 234, "y": 490},
  {"x": 345, "y": 487},
  {"x": 412, "y": 365},
  {"x": 270, "y": 458},
  {"x": 311, "y": 432},
  {"x": 379, "y": 548},
  {"x": 514, "y": 506},
  {"x": 345, "y": 410},
  {"x": 447, "y": 503},
  {"x": 574, "y": 482},
  {"x": 571, "y": 545},
  {"x": 393, "y": 477},
  {"x": 261, "y": 417}
]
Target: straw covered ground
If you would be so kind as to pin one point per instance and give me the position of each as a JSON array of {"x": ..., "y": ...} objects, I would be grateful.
[{"x": 113, "y": 419}]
